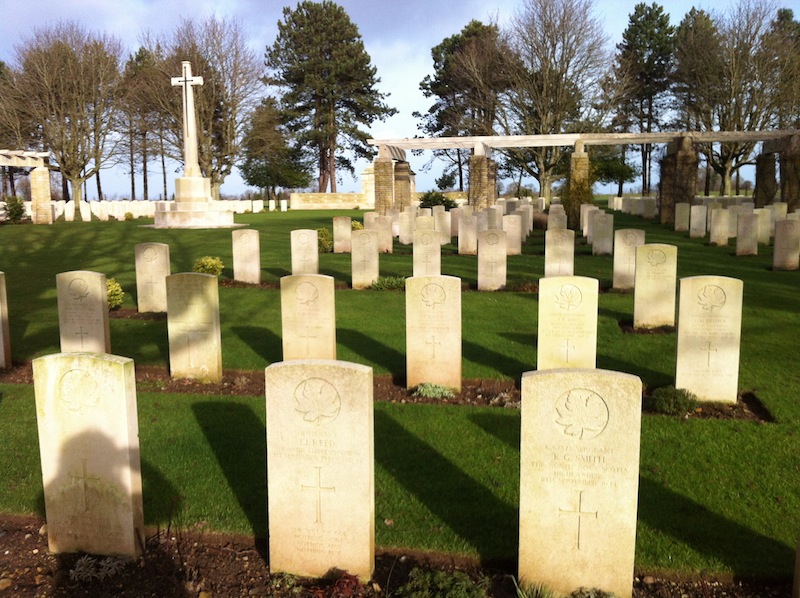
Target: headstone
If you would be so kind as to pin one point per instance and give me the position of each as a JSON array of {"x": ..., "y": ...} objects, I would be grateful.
[
  {"x": 383, "y": 226},
  {"x": 424, "y": 223},
  {"x": 69, "y": 211},
  {"x": 468, "y": 235},
  {"x": 85, "y": 211},
  {"x": 442, "y": 224},
  {"x": 342, "y": 229},
  {"x": 764, "y": 225},
  {"x": 559, "y": 252},
  {"x": 427, "y": 253},
  {"x": 649, "y": 208},
  {"x": 602, "y": 233},
  {"x": 364, "y": 258},
  {"x": 626, "y": 240},
  {"x": 246, "y": 256},
  {"x": 308, "y": 317},
  {"x": 733, "y": 220},
  {"x": 709, "y": 331},
  {"x": 83, "y": 312},
  {"x": 579, "y": 479},
  {"x": 195, "y": 343},
  {"x": 697, "y": 222},
  {"x": 89, "y": 450},
  {"x": 786, "y": 255},
  {"x": 271, "y": 205},
  {"x": 656, "y": 278},
  {"x": 492, "y": 260},
  {"x": 747, "y": 234},
  {"x": 284, "y": 204},
  {"x": 556, "y": 221},
  {"x": 511, "y": 226},
  {"x": 371, "y": 220},
  {"x": 482, "y": 219},
  {"x": 425, "y": 212},
  {"x": 682, "y": 217},
  {"x": 567, "y": 336},
  {"x": 585, "y": 208},
  {"x": 719, "y": 227},
  {"x": 406, "y": 236},
  {"x": 305, "y": 251},
  {"x": 5, "y": 337},
  {"x": 320, "y": 457},
  {"x": 433, "y": 331},
  {"x": 713, "y": 205},
  {"x": 152, "y": 269},
  {"x": 455, "y": 219}
]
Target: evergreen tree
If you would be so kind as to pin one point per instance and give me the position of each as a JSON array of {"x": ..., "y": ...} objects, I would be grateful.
[{"x": 329, "y": 89}]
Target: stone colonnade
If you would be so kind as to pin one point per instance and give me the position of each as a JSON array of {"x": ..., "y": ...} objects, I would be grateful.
[
  {"x": 42, "y": 212},
  {"x": 788, "y": 151}
]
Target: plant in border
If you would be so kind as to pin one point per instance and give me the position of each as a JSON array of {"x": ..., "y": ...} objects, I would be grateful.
[
  {"x": 433, "y": 391},
  {"x": 115, "y": 294},
  {"x": 324, "y": 240},
  {"x": 389, "y": 283},
  {"x": 671, "y": 401},
  {"x": 436, "y": 198},
  {"x": 208, "y": 265},
  {"x": 428, "y": 584},
  {"x": 15, "y": 210}
]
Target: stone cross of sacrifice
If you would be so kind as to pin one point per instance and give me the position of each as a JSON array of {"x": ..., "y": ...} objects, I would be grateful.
[{"x": 191, "y": 168}]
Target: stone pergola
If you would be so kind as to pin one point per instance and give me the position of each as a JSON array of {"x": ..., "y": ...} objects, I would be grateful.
[
  {"x": 678, "y": 168},
  {"x": 42, "y": 212}
]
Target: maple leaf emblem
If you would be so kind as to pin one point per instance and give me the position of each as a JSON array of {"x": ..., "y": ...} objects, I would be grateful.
[
  {"x": 317, "y": 400},
  {"x": 78, "y": 289},
  {"x": 711, "y": 297},
  {"x": 492, "y": 239},
  {"x": 432, "y": 295},
  {"x": 568, "y": 296},
  {"x": 306, "y": 293},
  {"x": 582, "y": 413},
  {"x": 656, "y": 257}
]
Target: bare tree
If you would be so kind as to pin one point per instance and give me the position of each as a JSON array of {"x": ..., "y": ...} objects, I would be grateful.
[
  {"x": 218, "y": 51},
  {"x": 69, "y": 79},
  {"x": 561, "y": 57}
]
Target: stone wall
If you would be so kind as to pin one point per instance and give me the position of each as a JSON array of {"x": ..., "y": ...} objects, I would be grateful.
[{"x": 328, "y": 201}]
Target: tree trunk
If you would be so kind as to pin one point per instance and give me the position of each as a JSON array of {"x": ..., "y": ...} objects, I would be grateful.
[
  {"x": 64, "y": 187},
  {"x": 332, "y": 168},
  {"x": 145, "y": 186},
  {"x": 132, "y": 162},
  {"x": 709, "y": 174},
  {"x": 99, "y": 186},
  {"x": 163, "y": 167},
  {"x": 77, "y": 190},
  {"x": 726, "y": 179}
]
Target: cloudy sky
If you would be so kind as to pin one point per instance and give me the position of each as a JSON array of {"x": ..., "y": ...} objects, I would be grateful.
[{"x": 398, "y": 36}]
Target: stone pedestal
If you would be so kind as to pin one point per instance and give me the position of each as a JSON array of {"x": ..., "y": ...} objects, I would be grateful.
[
  {"x": 766, "y": 184},
  {"x": 478, "y": 193},
  {"x": 383, "y": 172},
  {"x": 790, "y": 172},
  {"x": 678, "y": 177},
  {"x": 402, "y": 186},
  {"x": 41, "y": 208}
]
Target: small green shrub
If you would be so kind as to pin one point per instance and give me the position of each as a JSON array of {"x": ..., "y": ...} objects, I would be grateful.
[
  {"x": 208, "y": 265},
  {"x": 436, "y": 198},
  {"x": 432, "y": 584},
  {"x": 356, "y": 225},
  {"x": 324, "y": 240},
  {"x": 389, "y": 283},
  {"x": 433, "y": 391},
  {"x": 15, "y": 210},
  {"x": 533, "y": 590},
  {"x": 671, "y": 401},
  {"x": 128, "y": 216},
  {"x": 115, "y": 293}
]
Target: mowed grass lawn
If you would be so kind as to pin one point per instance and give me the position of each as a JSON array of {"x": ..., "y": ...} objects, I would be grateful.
[{"x": 716, "y": 496}]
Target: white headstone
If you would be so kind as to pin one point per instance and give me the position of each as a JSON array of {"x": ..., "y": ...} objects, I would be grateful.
[
  {"x": 709, "y": 332},
  {"x": 602, "y": 233},
  {"x": 246, "y": 256},
  {"x": 468, "y": 235},
  {"x": 89, "y": 450},
  {"x": 511, "y": 226},
  {"x": 308, "y": 317},
  {"x": 5, "y": 337},
  {"x": 567, "y": 333},
  {"x": 655, "y": 288},
  {"x": 579, "y": 479},
  {"x": 427, "y": 253},
  {"x": 556, "y": 221},
  {"x": 559, "y": 252},
  {"x": 305, "y": 251},
  {"x": 682, "y": 217},
  {"x": 433, "y": 331},
  {"x": 320, "y": 458},
  {"x": 365, "y": 261},
  {"x": 626, "y": 240},
  {"x": 786, "y": 255},
  {"x": 152, "y": 269},
  {"x": 492, "y": 258},
  {"x": 83, "y": 312},
  {"x": 697, "y": 222},
  {"x": 342, "y": 230},
  {"x": 719, "y": 227},
  {"x": 747, "y": 234},
  {"x": 195, "y": 341}
]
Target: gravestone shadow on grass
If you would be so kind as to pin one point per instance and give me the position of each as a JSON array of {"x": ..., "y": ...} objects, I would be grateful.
[
  {"x": 237, "y": 436},
  {"x": 264, "y": 342},
  {"x": 709, "y": 533},
  {"x": 505, "y": 427},
  {"x": 508, "y": 366},
  {"x": 468, "y": 508},
  {"x": 373, "y": 351},
  {"x": 652, "y": 378}
]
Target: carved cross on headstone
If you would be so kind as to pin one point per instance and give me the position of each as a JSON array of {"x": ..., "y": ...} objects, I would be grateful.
[
  {"x": 319, "y": 489},
  {"x": 191, "y": 167}
]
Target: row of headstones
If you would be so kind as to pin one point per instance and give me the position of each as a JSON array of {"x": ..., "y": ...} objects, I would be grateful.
[{"x": 579, "y": 463}]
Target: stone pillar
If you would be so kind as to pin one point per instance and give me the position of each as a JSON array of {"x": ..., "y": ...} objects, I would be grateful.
[
  {"x": 579, "y": 187},
  {"x": 478, "y": 192},
  {"x": 384, "y": 184},
  {"x": 491, "y": 182},
  {"x": 678, "y": 177},
  {"x": 402, "y": 186},
  {"x": 790, "y": 172},
  {"x": 766, "y": 183},
  {"x": 41, "y": 205}
]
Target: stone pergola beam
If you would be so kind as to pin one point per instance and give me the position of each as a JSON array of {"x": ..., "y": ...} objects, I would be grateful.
[{"x": 22, "y": 159}]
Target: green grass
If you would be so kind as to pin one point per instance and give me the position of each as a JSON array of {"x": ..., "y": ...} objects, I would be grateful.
[{"x": 716, "y": 496}]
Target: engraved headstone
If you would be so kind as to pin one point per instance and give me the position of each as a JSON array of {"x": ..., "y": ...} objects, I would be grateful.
[
  {"x": 427, "y": 253},
  {"x": 246, "y": 256},
  {"x": 567, "y": 336},
  {"x": 433, "y": 331},
  {"x": 320, "y": 457},
  {"x": 559, "y": 252},
  {"x": 468, "y": 235},
  {"x": 308, "y": 317},
  {"x": 747, "y": 234},
  {"x": 626, "y": 240},
  {"x": 89, "y": 448},
  {"x": 697, "y": 222},
  {"x": 83, "y": 312},
  {"x": 655, "y": 288},
  {"x": 305, "y": 251},
  {"x": 442, "y": 224},
  {"x": 602, "y": 233},
  {"x": 5, "y": 338},
  {"x": 383, "y": 226},
  {"x": 152, "y": 269},
  {"x": 556, "y": 221},
  {"x": 195, "y": 342},
  {"x": 585, "y": 208},
  {"x": 579, "y": 479},
  {"x": 764, "y": 225},
  {"x": 709, "y": 332},
  {"x": 682, "y": 217},
  {"x": 492, "y": 260},
  {"x": 422, "y": 222},
  {"x": 406, "y": 236},
  {"x": 364, "y": 258},
  {"x": 719, "y": 227},
  {"x": 455, "y": 219},
  {"x": 511, "y": 226},
  {"x": 786, "y": 255},
  {"x": 342, "y": 227}
]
